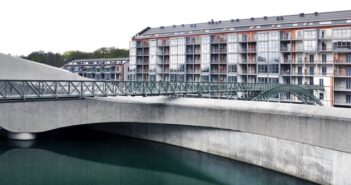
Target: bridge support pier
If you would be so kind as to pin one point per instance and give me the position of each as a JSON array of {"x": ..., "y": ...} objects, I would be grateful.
[{"x": 23, "y": 136}]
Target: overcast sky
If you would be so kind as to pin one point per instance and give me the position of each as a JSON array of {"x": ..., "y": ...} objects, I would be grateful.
[{"x": 86, "y": 25}]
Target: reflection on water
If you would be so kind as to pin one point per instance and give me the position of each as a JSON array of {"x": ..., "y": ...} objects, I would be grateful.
[{"x": 79, "y": 156}]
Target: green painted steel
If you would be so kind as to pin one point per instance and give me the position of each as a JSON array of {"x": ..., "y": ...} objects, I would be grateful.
[{"x": 24, "y": 90}]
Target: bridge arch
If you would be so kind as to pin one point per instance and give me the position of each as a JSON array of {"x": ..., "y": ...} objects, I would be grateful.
[{"x": 301, "y": 93}]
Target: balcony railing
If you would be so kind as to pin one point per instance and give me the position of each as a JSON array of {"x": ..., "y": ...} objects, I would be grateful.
[
  {"x": 342, "y": 62},
  {"x": 220, "y": 71},
  {"x": 193, "y": 71},
  {"x": 142, "y": 54},
  {"x": 250, "y": 50},
  {"x": 193, "y": 42},
  {"x": 192, "y": 52},
  {"x": 193, "y": 61},
  {"x": 218, "y": 61},
  {"x": 163, "y": 52},
  {"x": 218, "y": 50},
  {"x": 342, "y": 50}
]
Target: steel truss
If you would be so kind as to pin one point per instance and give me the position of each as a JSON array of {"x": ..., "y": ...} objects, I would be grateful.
[{"x": 23, "y": 90}]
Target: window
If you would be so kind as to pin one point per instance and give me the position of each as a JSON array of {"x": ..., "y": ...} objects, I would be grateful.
[
  {"x": 348, "y": 98},
  {"x": 232, "y": 68},
  {"x": 348, "y": 84},
  {"x": 310, "y": 45},
  {"x": 311, "y": 58},
  {"x": 348, "y": 71},
  {"x": 309, "y": 34},
  {"x": 341, "y": 33},
  {"x": 232, "y": 79},
  {"x": 262, "y": 69},
  {"x": 324, "y": 71},
  {"x": 299, "y": 70},
  {"x": 324, "y": 58},
  {"x": 321, "y": 82},
  {"x": 205, "y": 78},
  {"x": 299, "y": 81},
  {"x": 321, "y": 96},
  {"x": 311, "y": 70},
  {"x": 273, "y": 68}
]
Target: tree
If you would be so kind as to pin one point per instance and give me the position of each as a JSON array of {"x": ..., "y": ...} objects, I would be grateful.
[{"x": 58, "y": 60}]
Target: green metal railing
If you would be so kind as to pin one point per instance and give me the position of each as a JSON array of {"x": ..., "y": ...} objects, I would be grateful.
[{"x": 23, "y": 90}]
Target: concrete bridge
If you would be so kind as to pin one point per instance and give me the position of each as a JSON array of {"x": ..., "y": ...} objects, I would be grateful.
[{"x": 309, "y": 142}]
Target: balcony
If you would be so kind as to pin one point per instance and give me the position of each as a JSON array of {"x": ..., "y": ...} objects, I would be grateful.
[
  {"x": 193, "y": 61},
  {"x": 162, "y": 62},
  {"x": 342, "y": 88},
  {"x": 163, "y": 53},
  {"x": 218, "y": 51},
  {"x": 325, "y": 49},
  {"x": 162, "y": 43},
  {"x": 193, "y": 42},
  {"x": 220, "y": 71},
  {"x": 342, "y": 62},
  {"x": 342, "y": 74},
  {"x": 142, "y": 62},
  {"x": 142, "y": 54},
  {"x": 247, "y": 62},
  {"x": 250, "y": 50},
  {"x": 142, "y": 44},
  {"x": 342, "y": 50},
  {"x": 218, "y": 61},
  {"x": 218, "y": 41},
  {"x": 342, "y": 103},
  {"x": 163, "y": 70},
  {"x": 323, "y": 37},
  {"x": 285, "y": 37},
  {"x": 285, "y": 49},
  {"x": 196, "y": 71},
  {"x": 247, "y": 72},
  {"x": 193, "y": 52}
]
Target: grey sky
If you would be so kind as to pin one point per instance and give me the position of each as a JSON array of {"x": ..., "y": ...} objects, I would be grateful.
[{"x": 61, "y": 25}]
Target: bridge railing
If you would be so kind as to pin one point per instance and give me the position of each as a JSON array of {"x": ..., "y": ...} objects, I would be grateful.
[{"x": 19, "y": 90}]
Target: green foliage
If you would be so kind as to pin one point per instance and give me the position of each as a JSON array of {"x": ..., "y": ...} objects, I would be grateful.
[
  {"x": 57, "y": 60},
  {"x": 49, "y": 58}
]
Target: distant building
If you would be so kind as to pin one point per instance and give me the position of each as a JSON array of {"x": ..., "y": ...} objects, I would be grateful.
[
  {"x": 313, "y": 49},
  {"x": 99, "y": 69}
]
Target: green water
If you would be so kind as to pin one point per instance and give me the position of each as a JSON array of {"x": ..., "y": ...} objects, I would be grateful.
[{"x": 82, "y": 157}]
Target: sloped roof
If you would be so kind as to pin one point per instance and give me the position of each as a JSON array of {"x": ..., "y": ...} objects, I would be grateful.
[{"x": 234, "y": 23}]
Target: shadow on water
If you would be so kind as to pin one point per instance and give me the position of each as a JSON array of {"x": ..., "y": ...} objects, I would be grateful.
[{"x": 82, "y": 156}]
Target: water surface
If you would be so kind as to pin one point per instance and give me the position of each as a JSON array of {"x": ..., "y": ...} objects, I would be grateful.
[{"x": 78, "y": 156}]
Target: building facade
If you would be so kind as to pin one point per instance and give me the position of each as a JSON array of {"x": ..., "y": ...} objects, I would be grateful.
[
  {"x": 100, "y": 69},
  {"x": 308, "y": 49}
]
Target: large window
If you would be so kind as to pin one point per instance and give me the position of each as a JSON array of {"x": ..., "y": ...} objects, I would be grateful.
[
  {"x": 344, "y": 33},
  {"x": 310, "y": 34},
  {"x": 262, "y": 69},
  {"x": 310, "y": 45},
  {"x": 273, "y": 68}
]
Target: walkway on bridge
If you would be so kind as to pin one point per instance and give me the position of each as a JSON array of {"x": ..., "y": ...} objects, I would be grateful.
[{"x": 24, "y": 90}]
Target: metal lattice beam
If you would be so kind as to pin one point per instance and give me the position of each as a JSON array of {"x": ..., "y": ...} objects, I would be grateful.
[{"x": 20, "y": 90}]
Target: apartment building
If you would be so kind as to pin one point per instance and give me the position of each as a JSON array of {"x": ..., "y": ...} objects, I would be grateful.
[
  {"x": 313, "y": 48},
  {"x": 99, "y": 69}
]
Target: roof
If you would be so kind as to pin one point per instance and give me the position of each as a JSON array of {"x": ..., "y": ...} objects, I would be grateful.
[
  {"x": 245, "y": 24},
  {"x": 99, "y": 59}
]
